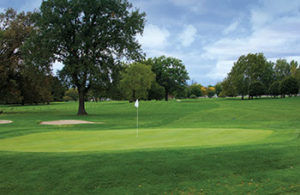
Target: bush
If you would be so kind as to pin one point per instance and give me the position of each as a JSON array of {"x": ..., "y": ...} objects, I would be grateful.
[
  {"x": 289, "y": 86},
  {"x": 72, "y": 93},
  {"x": 195, "y": 89},
  {"x": 193, "y": 96},
  {"x": 67, "y": 98}
]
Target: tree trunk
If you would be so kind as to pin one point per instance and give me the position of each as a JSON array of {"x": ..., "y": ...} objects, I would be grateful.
[
  {"x": 242, "y": 97},
  {"x": 166, "y": 95},
  {"x": 81, "y": 108}
]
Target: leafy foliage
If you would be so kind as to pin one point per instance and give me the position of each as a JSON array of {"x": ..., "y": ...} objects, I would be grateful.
[
  {"x": 289, "y": 86},
  {"x": 256, "y": 88},
  {"x": 136, "y": 81},
  {"x": 170, "y": 73},
  {"x": 156, "y": 92},
  {"x": 90, "y": 38},
  {"x": 274, "y": 89},
  {"x": 20, "y": 80}
]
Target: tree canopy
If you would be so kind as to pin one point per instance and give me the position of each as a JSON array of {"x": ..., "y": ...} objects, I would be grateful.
[
  {"x": 170, "y": 73},
  {"x": 136, "y": 80},
  {"x": 90, "y": 38}
]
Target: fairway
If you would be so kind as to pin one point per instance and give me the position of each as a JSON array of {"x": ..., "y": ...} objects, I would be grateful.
[
  {"x": 200, "y": 146},
  {"x": 78, "y": 141}
]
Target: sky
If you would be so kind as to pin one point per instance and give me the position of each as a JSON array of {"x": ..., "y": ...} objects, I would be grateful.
[{"x": 210, "y": 35}]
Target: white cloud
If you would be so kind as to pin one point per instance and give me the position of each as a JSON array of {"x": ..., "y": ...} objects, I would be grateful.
[
  {"x": 221, "y": 69},
  {"x": 231, "y": 28},
  {"x": 154, "y": 37},
  {"x": 188, "y": 36},
  {"x": 57, "y": 66}
]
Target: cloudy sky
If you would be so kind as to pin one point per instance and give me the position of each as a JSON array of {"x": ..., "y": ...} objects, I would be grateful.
[{"x": 209, "y": 35}]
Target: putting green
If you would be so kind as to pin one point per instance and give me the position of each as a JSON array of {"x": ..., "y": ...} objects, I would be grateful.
[{"x": 108, "y": 140}]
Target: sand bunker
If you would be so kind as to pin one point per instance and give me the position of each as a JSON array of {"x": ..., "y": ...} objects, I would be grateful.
[
  {"x": 66, "y": 122},
  {"x": 5, "y": 121}
]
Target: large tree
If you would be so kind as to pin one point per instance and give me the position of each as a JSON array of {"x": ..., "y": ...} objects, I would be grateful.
[
  {"x": 170, "y": 73},
  {"x": 136, "y": 80},
  {"x": 20, "y": 80},
  {"x": 249, "y": 69},
  {"x": 90, "y": 37}
]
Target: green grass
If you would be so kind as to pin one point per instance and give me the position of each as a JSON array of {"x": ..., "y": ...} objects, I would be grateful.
[
  {"x": 207, "y": 146},
  {"x": 79, "y": 141}
]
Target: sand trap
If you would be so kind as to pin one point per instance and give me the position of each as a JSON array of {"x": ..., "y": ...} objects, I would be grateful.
[
  {"x": 5, "y": 121},
  {"x": 66, "y": 122}
]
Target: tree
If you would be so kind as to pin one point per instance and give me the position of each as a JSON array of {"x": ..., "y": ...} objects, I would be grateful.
[
  {"x": 156, "y": 92},
  {"x": 297, "y": 76},
  {"x": 293, "y": 68},
  {"x": 256, "y": 88},
  {"x": 170, "y": 73},
  {"x": 250, "y": 68},
  {"x": 274, "y": 89},
  {"x": 57, "y": 88},
  {"x": 136, "y": 81},
  {"x": 72, "y": 93},
  {"x": 282, "y": 69},
  {"x": 211, "y": 91},
  {"x": 218, "y": 88},
  {"x": 20, "y": 80},
  {"x": 90, "y": 38},
  {"x": 228, "y": 88},
  {"x": 195, "y": 89},
  {"x": 289, "y": 86}
]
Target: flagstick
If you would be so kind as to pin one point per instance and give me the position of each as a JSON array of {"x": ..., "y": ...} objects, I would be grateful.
[{"x": 137, "y": 122}]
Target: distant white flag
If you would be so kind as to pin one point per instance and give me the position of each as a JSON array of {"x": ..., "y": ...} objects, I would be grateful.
[{"x": 136, "y": 103}]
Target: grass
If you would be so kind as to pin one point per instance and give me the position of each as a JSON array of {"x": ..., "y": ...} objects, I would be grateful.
[
  {"x": 79, "y": 141},
  {"x": 207, "y": 146}
]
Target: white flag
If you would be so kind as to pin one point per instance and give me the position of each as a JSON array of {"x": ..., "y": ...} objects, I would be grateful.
[{"x": 136, "y": 103}]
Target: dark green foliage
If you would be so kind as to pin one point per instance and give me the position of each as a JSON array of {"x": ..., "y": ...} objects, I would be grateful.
[
  {"x": 256, "y": 88},
  {"x": 156, "y": 92},
  {"x": 289, "y": 86},
  {"x": 275, "y": 89},
  {"x": 22, "y": 80},
  {"x": 72, "y": 93},
  {"x": 218, "y": 88},
  {"x": 228, "y": 88},
  {"x": 136, "y": 80},
  {"x": 195, "y": 90},
  {"x": 170, "y": 73},
  {"x": 282, "y": 69},
  {"x": 211, "y": 91},
  {"x": 90, "y": 38},
  {"x": 57, "y": 89},
  {"x": 253, "y": 67}
]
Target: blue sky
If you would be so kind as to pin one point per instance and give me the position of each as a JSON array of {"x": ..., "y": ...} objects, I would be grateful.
[{"x": 210, "y": 35}]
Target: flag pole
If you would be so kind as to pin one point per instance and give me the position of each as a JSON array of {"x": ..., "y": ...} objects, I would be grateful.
[
  {"x": 137, "y": 117},
  {"x": 137, "y": 122}
]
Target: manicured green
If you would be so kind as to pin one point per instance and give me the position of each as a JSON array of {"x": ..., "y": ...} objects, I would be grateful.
[
  {"x": 209, "y": 146},
  {"x": 76, "y": 141}
]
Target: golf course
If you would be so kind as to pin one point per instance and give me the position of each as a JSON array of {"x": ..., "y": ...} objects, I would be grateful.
[{"x": 192, "y": 146}]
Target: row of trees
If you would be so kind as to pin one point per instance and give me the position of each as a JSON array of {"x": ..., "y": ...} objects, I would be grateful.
[
  {"x": 20, "y": 80},
  {"x": 253, "y": 75},
  {"x": 153, "y": 78},
  {"x": 92, "y": 39}
]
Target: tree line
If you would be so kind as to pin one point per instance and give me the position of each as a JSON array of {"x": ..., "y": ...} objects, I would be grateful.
[
  {"x": 253, "y": 76},
  {"x": 92, "y": 39},
  {"x": 96, "y": 42}
]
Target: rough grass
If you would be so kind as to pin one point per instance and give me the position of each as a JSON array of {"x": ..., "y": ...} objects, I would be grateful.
[{"x": 266, "y": 164}]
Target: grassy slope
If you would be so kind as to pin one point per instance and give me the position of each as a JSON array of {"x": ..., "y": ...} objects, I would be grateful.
[{"x": 272, "y": 167}]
